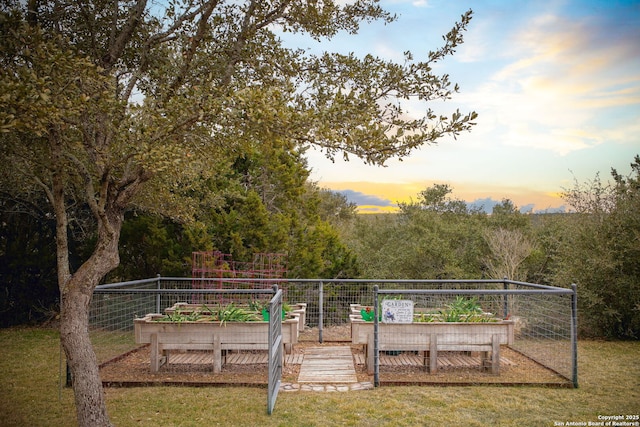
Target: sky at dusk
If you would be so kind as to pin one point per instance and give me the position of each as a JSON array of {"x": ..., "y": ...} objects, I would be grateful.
[{"x": 556, "y": 85}]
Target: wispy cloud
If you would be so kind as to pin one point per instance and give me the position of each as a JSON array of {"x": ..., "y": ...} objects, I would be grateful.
[
  {"x": 384, "y": 50},
  {"x": 362, "y": 199},
  {"x": 557, "y": 81},
  {"x": 416, "y": 3},
  {"x": 480, "y": 196},
  {"x": 556, "y": 85}
]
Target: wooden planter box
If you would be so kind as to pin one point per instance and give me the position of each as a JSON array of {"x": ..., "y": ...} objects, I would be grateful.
[
  {"x": 208, "y": 335},
  {"x": 432, "y": 337}
]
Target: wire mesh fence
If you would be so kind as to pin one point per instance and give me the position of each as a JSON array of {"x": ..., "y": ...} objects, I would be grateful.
[
  {"x": 146, "y": 330},
  {"x": 539, "y": 337},
  {"x": 471, "y": 332}
]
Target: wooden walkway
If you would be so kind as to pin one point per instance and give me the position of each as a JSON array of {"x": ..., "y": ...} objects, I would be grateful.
[
  {"x": 444, "y": 360},
  {"x": 332, "y": 365}
]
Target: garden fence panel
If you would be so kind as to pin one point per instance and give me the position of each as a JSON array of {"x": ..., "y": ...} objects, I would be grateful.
[
  {"x": 520, "y": 334},
  {"x": 541, "y": 318}
]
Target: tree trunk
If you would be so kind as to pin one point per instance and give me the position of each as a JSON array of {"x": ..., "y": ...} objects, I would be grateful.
[
  {"x": 90, "y": 401},
  {"x": 91, "y": 409},
  {"x": 76, "y": 296}
]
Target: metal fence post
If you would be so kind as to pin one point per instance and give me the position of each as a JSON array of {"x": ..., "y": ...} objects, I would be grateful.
[
  {"x": 505, "y": 300},
  {"x": 574, "y": 334},
  {"x": 376, "y": 355},
  {"x": 158, "y": 287},
  {"x": 275, "y": 349},
  {"x": 320, "y": 310}
]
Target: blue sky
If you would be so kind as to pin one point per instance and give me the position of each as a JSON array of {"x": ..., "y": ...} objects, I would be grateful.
[{"x": 556, "y": 85}]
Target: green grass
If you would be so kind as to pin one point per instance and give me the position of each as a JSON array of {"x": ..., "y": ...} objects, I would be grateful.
[{"x": 30, "y": 396}]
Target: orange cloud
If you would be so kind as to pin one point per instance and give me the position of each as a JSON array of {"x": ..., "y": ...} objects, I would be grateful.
[{"x": 469, "y": 192}]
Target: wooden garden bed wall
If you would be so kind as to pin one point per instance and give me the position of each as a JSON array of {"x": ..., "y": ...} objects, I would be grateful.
[
  {"x": 432, "y": 337},
  {"x": 213, "y": 336}
]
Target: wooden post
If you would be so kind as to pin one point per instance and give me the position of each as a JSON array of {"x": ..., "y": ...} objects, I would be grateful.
[
  {"x": 370, "y": 351},
  {"x": 217, "y": 354},
  {"x": 495, "y": 354},
  {"x": 155, "y": 362},
  {"x": 283, "y": 359},
  {"x": 433, "y": 353},
  {"x": 291, "y": 332}
]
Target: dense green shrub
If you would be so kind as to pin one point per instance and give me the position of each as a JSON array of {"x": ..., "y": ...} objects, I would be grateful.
[
  {"x": 436, "y": 237},
  {"x": 600, "y": 251},
  {"x": 597, "y": 247}
]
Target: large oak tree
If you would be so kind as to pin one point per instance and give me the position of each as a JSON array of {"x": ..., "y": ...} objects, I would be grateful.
[{"x": 109, "y": 104}]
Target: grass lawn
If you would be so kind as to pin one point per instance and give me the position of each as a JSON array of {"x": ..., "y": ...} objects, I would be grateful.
[{"x": 609, "y": 376}]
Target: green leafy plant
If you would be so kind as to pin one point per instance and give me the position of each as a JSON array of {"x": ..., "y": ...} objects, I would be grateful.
[
  {"x": 460, "y": 310},
  {"x": 222, "y": 314},
  {"x": 178, "y": 317},
  {"x": 256, "y": 311},
  {"x": 426, "y": 317},
  {"x": 465, "y": 305},
  {"x": 232, "y": 313}
]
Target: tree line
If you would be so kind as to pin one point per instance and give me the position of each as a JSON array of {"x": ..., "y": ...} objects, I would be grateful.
[
  {"x": 596, "y": 246},
  {"x": 268, "y": 204}
]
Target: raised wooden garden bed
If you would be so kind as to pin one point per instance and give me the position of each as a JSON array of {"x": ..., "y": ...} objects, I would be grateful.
[
  {"x": 207, "y": 334},
  {"x": 429, "y": 338}
]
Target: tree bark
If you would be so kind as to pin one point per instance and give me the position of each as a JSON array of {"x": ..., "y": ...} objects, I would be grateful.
[
  {"x": 91, "y": 409},
  {"x": 74, "y": 328},
  {"x": 76, "y": 291}
]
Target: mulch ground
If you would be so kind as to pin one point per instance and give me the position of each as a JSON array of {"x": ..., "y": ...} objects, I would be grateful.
[{"x": 133, "y": 369}]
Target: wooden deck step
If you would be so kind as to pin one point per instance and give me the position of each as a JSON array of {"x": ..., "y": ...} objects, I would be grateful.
[
  {"x": 332, "y": 365},
  {"x": 206, "y": 358},
  {"x": 408, "y": 359},
  {"x": 192, "y": 358},
  {"x": 335, "y": 360},
  {"x": 294, "y": 359}
]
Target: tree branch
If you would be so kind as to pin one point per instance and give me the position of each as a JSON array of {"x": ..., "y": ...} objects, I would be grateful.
[
  {"x": 195, "y": 41},
  {"x": 120, "y": 42},
  {"x": 88, "y": 185}
]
